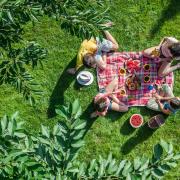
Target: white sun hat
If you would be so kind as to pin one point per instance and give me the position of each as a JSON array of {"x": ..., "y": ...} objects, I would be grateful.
[{"x": 85, "y": 78}]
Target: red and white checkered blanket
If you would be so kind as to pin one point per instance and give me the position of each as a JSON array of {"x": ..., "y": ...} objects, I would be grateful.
[{"x": 115, "y": 61}]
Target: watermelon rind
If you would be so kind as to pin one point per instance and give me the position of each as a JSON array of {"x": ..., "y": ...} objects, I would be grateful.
[{"x": 130, "y": 121}]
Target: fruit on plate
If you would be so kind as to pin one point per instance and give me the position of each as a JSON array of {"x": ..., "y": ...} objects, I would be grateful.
[{"x": 136, "y": 120}]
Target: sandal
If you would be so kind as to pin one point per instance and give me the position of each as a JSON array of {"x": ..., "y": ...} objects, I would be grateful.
[{"x": 156, "y": 121}]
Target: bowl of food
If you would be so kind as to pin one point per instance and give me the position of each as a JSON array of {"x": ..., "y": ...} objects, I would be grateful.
[
  {"x": 136, "y": 120},
  {"x": 146, "y": 67},
  {"x": 146, "y": 79},
  {"x": 122, "y": 71}
]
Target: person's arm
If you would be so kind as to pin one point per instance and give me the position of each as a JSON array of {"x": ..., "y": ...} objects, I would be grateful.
[
  {"x": 101, "y": 61},
  {"x": 167, "y": 112},
  {"x": 115, "y": 99},
  {"x": 109, "y": 37},
  {"x": 162, "y": 41},
  {"x": 166, "y": 98},
  {"x": 148, "y": 52}
]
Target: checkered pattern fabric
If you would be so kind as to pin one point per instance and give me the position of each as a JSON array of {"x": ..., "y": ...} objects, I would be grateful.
[{"x": 139, "y": 97}]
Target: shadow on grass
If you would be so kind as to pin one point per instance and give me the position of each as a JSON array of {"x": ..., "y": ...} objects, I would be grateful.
[
  {"x": 63, "y": 83},
  {"x": 126, "y": 128},
  {"x": 86, "y": 116},
  {"x": 143, "y": 133},
  {"x": 113, "y": 115},
  {"x": 168, "y": 13}
]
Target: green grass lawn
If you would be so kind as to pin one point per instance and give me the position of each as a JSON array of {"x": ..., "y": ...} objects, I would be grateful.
[{"x": 139, "y": 24}]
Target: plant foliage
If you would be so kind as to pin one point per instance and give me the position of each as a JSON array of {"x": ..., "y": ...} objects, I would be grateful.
[
  {"x": 83, "y": 18},
  {"x": 13, "y": 69},
  {"x": 52, "y": 153}
]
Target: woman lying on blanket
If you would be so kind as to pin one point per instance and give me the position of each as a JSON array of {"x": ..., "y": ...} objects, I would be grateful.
[
  {"x": 164, "y": 101},
  {"x": 167, "y": 50},
  {"x": 90, "y": 52},
  {"x": 106, "y": 100}
]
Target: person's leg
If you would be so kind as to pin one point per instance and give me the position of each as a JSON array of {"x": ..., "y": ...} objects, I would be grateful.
[
  {"x": 166, "y": 68},
  {"x": 118, "y": 107},
  {"x": 112, "y": 85},
  {"x": 167, "y": 90},
  {"x": 153, "y": 105}
]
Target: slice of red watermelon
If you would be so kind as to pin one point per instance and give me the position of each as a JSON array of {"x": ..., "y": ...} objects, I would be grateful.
[{"x": 136, "y": 120}]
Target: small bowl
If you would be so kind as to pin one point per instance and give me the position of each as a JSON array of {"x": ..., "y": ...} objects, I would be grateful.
[
  {"x": 146, "y": 67},
  {"x": 146, "y": 79},
  {"x": 136, "y": 120},
  {"x": 122, "y": 92},
  {"x": 122, "y": 71}
]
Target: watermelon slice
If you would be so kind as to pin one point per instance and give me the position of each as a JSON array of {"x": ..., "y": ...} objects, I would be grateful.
[{"x": 136, "y": 120}]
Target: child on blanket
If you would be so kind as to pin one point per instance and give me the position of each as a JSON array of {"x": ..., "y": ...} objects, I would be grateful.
[
  {"x": 90, "y": 52},
  {"x": 106, "y": 100},
  {"x": 167, "y": 50},
  {"x": 164, "y": 101}
]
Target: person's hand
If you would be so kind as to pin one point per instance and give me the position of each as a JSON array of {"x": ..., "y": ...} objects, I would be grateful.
[
  {"x": 156, "y": 96},
  {"x": 108, "y": 24},
  {"x": 157, "y": 100}
]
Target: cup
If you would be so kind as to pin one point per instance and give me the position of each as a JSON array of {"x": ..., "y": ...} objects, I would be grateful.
[
  {"x": 146, "y": 79},
  {"x": 122, "y": 71},
  {"x": 150, "y": 87},
  {"x": 146, "y": 67},
  {"x": 122, "y": 92}
]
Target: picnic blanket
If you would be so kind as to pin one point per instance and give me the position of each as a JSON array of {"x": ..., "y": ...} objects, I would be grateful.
[{"x": 139, "y": 97}]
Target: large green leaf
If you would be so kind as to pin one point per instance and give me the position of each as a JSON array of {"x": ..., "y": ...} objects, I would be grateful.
[
  {"x": 158, "y": 151},
  {"x": 144, "y": 164},
  {"x": 137, "y": 163},
  {"x": 127, "y": 168},
  {"x": 76, "y": 109},
  {"x": 12, "y": 126},
  {"x": 165, "y": 145},
  {"x": 176, "y": 157},
  {"x": 78, "y": 144},
  {"x": 4, "y": 123},
  {"x": 120, "y": 167},
  {"x": 78, "y": 135},
  {"x": 157, "y": 173},
  {"x": 80, "y": 126},
  {"x": 62, "y": 112},
  {"x": 164, "y": 168},
  {"x": 45, "y": 131}
]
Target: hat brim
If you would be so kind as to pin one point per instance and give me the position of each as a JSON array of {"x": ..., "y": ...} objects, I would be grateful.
[{"x": 82, "y": 82}]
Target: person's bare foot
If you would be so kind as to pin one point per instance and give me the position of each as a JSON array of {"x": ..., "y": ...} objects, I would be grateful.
[
  {"x": 71, "y": 71},
  {"x": 93, "y": 115}
]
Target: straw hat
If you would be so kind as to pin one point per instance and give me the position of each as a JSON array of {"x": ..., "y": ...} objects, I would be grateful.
[{"x": 85, "y": 78}]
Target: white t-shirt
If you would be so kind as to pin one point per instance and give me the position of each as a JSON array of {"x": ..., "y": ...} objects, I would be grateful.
[{"x": 102, "y": 46}]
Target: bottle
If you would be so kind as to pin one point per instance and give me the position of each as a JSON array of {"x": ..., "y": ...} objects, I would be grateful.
[{"x": 150, "y": 87}]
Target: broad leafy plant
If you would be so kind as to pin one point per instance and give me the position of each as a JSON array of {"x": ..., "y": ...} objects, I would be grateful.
[
  {"x": 83, "y": 18},
  {"x": 52, "y": 153},
  {"x": 13, "y": 69}
]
